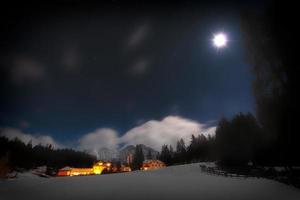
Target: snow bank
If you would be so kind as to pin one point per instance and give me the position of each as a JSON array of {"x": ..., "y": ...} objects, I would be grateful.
[{"x": 177, "y": 182}]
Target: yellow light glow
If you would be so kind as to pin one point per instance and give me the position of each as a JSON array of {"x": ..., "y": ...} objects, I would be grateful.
[{"x": 97, "y": 169}]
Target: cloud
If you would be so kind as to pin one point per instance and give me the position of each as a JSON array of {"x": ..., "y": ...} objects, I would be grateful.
[
  {"x": 138, "y": 35},
  {"x": 71, "y": 58},
  {"x": 140, "y": 67},
  {"x": 100, "y": 138},
  {"x": 152, "y": 133},
  {"x": 167, "y": 131},
  {"x": 12, "y": 133},
  {"x": 26, "y": 70}
]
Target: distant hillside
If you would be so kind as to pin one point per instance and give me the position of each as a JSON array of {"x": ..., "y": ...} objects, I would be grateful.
[
  {"x": 111, "y": 154},
  {"x": 107, "y": 154},
  {"x": 130, "y": 149}
]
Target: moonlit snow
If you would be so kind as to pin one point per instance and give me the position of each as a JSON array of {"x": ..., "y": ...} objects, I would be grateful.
[{"x": 177, "y": 182}]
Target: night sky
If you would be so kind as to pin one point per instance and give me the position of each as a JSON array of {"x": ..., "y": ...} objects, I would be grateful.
[{"x": 69, "y": 69}]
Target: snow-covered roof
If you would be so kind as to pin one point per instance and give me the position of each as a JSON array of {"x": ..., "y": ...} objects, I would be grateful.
[
  {"x": 151, "y": 161},
  {"x": 66, "y": 168}
]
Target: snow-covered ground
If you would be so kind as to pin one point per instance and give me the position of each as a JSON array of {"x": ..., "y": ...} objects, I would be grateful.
[{"x": 178, "y": 182}]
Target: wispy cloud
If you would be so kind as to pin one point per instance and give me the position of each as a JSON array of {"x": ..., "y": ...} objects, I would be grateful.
[
  {"x": 35, "y": 139},
  {"x": 100, "y": 138},
  {"x": 140, "y": 67},
  {"x": 26, "y": 70},
  {"x": 138, "y": 35},
  {"x": 71, "y": 58},
  {"x": 167, "y": 131}
]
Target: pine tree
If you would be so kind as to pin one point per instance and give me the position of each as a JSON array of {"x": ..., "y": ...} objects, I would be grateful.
[
  {"x": 138, "y": 157},
  {"x": 149, "y": 155},
  {"x": 180, "y": 155},
  {"x": 165, "y": 155}
]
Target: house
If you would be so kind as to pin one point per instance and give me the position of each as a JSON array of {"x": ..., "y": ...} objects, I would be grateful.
[
  {"x": 125, "y": 168},
  {"x": 152, "y": 164},
  {"x": 97, "y": 168},
  {"x": 67, "y": 171}
]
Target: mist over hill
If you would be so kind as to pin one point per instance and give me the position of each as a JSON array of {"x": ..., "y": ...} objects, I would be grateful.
[{"x": 122, "y": 153}]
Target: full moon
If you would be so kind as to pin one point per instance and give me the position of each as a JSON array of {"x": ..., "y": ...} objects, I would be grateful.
[{"x": 220, "y": 40}]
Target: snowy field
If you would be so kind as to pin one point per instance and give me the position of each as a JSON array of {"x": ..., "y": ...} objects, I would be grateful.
[{"x": 178, "y": 182}]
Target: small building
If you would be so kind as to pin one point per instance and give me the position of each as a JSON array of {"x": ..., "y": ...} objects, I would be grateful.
[
  {"x": 100, "y": 167},
  {"x": 68, "y": 171},
  {"x": 97, "y": 168},
  {"x": 125, "y": 168},
  {"x": 152, "y": 164}
]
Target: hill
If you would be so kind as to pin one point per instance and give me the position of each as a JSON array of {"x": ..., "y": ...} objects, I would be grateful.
[{"x": 176, "y": 182}]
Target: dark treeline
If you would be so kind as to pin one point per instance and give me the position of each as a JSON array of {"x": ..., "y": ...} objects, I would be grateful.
[
  {"x": 201, "y": 148},
  {"x": 271, "y": 49},
  {"x": 237, "y": 142},
  {"x": 16, "y": 154}
]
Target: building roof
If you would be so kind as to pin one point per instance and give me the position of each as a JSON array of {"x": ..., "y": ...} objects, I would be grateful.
[
  {"x": 151, "y": 161},
  {"x": 66, "y": 168}
]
